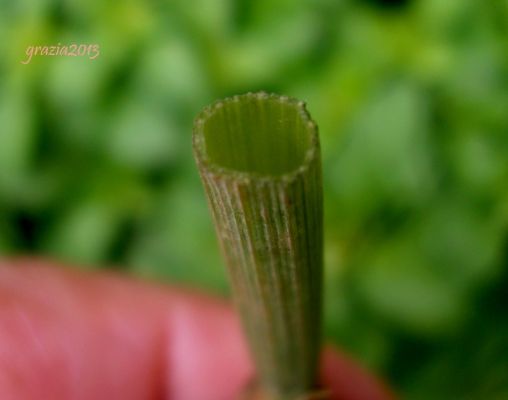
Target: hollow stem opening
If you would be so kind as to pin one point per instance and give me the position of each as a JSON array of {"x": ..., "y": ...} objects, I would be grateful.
[{"x": 256, "y": 133}]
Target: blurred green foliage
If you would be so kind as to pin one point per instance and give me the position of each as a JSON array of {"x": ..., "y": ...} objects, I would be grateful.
[{"x": 412, "y": 102}]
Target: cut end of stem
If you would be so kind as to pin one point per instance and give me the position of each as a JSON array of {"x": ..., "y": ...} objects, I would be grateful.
[{"x": 256, "y": 134}]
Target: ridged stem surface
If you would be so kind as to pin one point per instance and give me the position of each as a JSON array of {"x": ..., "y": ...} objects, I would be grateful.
[{"x": 259, "y": 160}]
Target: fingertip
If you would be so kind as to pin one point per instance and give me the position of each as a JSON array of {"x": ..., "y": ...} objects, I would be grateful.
[
  {"x": 348, "y": 380},
  {"x": 208, "y": 358},
  {"x": 120, "y": 337}
]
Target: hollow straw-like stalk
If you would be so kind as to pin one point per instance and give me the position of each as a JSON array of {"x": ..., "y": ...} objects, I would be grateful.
[{"x": 259, "y": 159}]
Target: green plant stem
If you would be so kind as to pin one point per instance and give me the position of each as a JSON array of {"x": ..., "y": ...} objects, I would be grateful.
[{"x": 259, "y": 160}]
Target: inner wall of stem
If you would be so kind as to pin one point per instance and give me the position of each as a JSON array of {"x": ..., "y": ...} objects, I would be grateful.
[{"x": 257, "y": 134}]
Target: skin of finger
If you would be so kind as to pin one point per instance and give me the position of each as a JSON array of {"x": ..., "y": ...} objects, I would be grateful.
[
  {"x": 71, "y": 335},
  {"x": 345, "y": 378}
]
